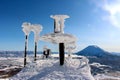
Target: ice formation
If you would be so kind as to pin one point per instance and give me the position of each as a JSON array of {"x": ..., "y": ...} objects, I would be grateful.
[
  {"x": 59, "y": 22},
  {"x": 26, "y": 28},
  {"x": 57, "y": 37},
  {"x": 36, "y": 28},
  {"x": 65, "y": 41}
]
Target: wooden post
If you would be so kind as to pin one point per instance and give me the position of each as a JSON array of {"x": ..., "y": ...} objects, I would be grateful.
[
  {"x": 35, "y": 54},
  {"x": 61, "y": 53},
  {"x": 25, "y": 53}
]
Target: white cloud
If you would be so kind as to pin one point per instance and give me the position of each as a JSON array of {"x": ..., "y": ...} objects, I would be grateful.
[{"x": 113, "y": 8}]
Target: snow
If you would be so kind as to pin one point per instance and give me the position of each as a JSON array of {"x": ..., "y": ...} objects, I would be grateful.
[
  {"x": 10, "y": 62},
  {"x": 59, "y": 38},
  {"x": 49, "y": 69},
  {"x": 99, "y": 65},
  {"x": 4, "y": 79},
  {"x": 59, "y": 22},
  {"x": 36, "y": 28},
  {"x": 103, "y": 76}
]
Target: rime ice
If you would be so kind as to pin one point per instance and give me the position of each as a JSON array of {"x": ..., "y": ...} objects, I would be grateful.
[
  {"x": 59, "y": 22},
  {"x": 36, "y": 28},
  {"x": 58, "y": 36}
]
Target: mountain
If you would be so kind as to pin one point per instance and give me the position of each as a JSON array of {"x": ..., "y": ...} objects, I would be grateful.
[
  {"x": 100, "y": 60},
  {"x": 116, "y": 53},
  {"x": 93, "y": 50}
]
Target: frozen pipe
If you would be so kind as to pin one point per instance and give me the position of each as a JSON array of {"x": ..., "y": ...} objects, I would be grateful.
[
  {"x": 61, "y": 53},
  {"x": 25, "y": 53}
]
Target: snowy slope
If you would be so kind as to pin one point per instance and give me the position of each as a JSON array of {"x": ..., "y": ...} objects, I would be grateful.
[{"x": 49, "y": 69}]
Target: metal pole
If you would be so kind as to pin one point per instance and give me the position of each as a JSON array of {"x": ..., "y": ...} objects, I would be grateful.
[
  {"x": 61, "y": 53},
  {"x": 35, "y": 51},
  {"x": 54, "y": 26},
  {"x": 25, "y": 53}
]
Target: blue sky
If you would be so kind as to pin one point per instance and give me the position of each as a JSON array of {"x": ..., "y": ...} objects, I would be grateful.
[{"x": 93, "y": 22}]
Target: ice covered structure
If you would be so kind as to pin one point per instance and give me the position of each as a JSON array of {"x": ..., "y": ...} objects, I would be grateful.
[
  {"x": 59, "y": 38},
  {"x": 66, "y": 41},
  {"x": 36, "y": 28},
  {"x": 56, "y": 38},
  {"x": 27, "y": 28},
  {"x": 59, "y": 22},
  {"x": 49, "y": 68}
]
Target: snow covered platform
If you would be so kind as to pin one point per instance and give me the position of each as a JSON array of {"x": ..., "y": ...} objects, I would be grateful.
[{"x": 50, "y": 69}]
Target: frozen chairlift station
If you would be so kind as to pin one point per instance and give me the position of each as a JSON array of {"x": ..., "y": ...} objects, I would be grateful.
[{"x": 65, "y": 41}]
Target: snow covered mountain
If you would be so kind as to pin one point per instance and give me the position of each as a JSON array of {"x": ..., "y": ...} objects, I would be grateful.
[
  {"x": 101, "y": 61},
  {"x": 93, "y": 50}
]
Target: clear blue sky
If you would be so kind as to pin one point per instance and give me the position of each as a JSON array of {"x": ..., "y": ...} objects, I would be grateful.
[{"x": 92, "y": 22}]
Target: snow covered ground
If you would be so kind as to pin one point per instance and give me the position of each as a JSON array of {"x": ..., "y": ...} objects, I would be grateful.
[
  {"x": 10, "y": 66},
  {"x": 49, "y": 69},
  {"x": 105, "y": 77}
]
